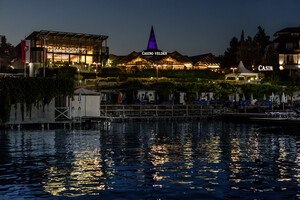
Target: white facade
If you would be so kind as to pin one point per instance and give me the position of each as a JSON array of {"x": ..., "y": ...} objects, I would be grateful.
[{"x": 86, "y": 103}]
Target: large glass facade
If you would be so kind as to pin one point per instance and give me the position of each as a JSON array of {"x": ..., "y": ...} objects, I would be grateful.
[
  {"x": 52, "y": 48},
  {"x": 61, "y": 54}
]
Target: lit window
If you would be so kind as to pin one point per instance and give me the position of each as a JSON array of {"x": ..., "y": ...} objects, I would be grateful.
[{"x": 291, "y": 58}]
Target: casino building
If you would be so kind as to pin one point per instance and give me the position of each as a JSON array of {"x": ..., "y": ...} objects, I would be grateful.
[
  {"x": 287, "y": 44},
  {"x": 54, "y": 49},
  {"x": 153, "y": 57}
]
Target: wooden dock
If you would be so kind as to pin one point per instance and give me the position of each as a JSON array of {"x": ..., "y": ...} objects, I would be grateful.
[
  {"x": 155, "y": 112},
  {"x": 118, "y": 113},
  {"x": 148, "y": 112}
]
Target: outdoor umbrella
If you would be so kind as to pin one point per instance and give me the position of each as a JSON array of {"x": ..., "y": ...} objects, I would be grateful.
[{"x": 283, "y": 98}]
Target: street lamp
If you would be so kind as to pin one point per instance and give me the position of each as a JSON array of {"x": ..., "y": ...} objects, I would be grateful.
[
  {"x": 233, "y": 68},
  {"x": 79, "y": 81},
  {"x": 95, "y": 70}
]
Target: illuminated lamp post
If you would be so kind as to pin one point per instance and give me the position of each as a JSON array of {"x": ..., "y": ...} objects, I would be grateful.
[
  {"x": 233, "y": 69},
  {"x": 95, "y": 73},
  {"x": 94, "y": 65},
  {"x": 79, "y": 81}
]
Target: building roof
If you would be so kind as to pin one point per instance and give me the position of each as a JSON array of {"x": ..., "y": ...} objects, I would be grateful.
[
  {"x": 179, "y": 57},
  {"x": 156, "y": 58},
  {"x": 285, "y": 39},
  {"x": 67, "y": 35},
  {"x": 207, "y": 59},
  {"x": 83, "y": 91},
  {"x": 288, "y": 30},
  {"x": 129, "y": 57},
  {"x": 152, "y": 45}
]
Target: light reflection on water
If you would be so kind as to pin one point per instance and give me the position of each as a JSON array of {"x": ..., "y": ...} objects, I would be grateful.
[{"x": 151, "y": 160}]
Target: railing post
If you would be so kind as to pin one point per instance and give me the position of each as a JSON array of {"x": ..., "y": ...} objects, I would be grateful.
[
  {"x": 123, "y": 111},
  {"x": 100, "y": 105},
  {"x": 69, "y": 107},
  {"x": 187, "y": 110},
  {"x": 201, "y": 111}
]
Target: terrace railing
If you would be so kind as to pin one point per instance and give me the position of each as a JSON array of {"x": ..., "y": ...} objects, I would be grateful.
[{"x": 156, "y": 111}]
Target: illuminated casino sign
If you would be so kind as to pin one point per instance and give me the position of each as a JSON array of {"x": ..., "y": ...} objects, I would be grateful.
[
  {"x": 265, "y": 68},
  {"x": 63, "y": 49},
  {"x": 154, "y": 53}
]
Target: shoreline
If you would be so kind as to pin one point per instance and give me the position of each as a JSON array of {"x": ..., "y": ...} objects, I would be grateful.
[{"x": 101, "y": 122}]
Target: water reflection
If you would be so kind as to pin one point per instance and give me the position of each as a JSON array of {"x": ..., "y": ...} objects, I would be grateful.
[{"x": 151, "y": 160}]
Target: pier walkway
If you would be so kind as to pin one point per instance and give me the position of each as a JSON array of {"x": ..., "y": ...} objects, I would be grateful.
[
  {"x": 155, "y": 112},
  {"x": 68, "y": 117}
]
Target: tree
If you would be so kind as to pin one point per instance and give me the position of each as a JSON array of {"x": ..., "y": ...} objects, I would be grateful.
[
  {"x": 290, "y": 91},
  {"x": 164, "y": 89},
  {"x": 67, "y": 72},
  {"x": 271, "y": 58},
  {"x": 111, "y": 72},
  {"x": 261, "y": 41},
  {"x": 229, "y": 58},
  {"x": 131, "y": 87},
  {"x": 7, "y": 53},
  {"x": 246, "y": 51},
  {"x": 252, "y": 51}
]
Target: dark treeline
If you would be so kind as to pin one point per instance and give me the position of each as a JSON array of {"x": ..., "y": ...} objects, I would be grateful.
[
  {"x": 253, "y": 51},
  {"x": 7, "y": 54}
]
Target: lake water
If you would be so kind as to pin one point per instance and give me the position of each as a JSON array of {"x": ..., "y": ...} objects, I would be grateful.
[{"x": 202, "y": 160}]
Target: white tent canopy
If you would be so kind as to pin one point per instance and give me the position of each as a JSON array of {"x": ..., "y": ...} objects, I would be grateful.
[
  {"x": 242, "y": 69},
  {"x": 243, "y": 74}
]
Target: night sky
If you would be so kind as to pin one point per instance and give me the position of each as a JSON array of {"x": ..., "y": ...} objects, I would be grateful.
[{"x": 189, "y": 26}]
